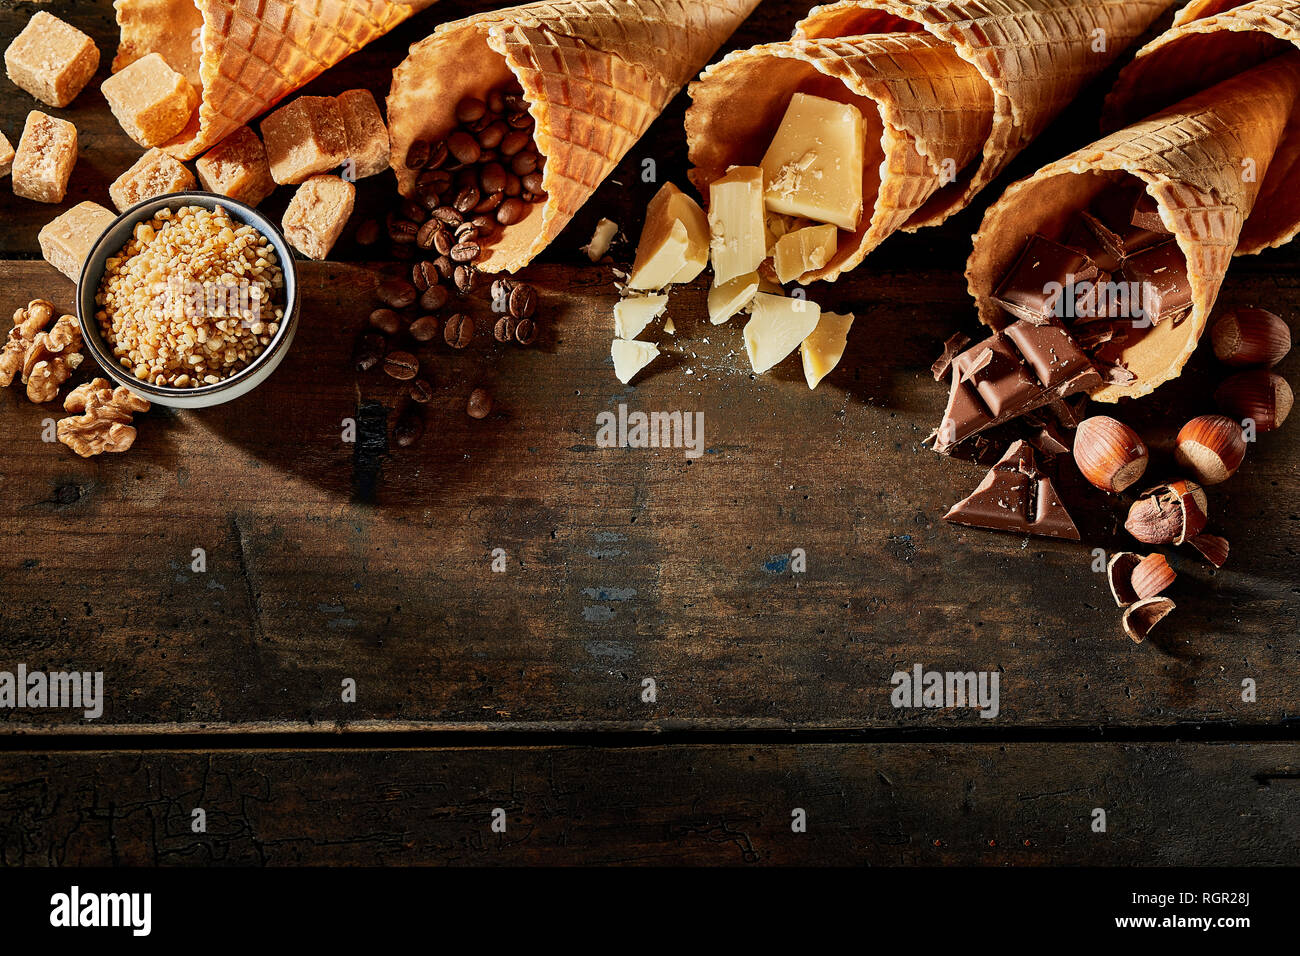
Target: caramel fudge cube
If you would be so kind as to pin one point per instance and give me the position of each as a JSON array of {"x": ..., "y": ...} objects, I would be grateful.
[
  {"x": 237, "y": 167},
  {"x": 154, "y": 174},
  {"x": 305, "y": 138},
  {"x": 67, "y": 240},
  {"x": 51, "y": 60},
  {"x": 46, "y": 154},
  {"x": 6, "y": 156},
  {"x": 317, "y": 214},
  {"x": 367, "y": 136},
  {"x": 151, "y": 100}
]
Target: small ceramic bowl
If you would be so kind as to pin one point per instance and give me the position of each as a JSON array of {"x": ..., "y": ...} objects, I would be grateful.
[{"x": 241, "y": 383}]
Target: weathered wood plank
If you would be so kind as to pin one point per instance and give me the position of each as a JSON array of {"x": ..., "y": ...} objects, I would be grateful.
[{"x": 984, "y": 804}]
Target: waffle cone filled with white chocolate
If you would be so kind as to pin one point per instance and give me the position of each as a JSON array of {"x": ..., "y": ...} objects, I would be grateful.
[
  {"x": 243, "y": 56},
  {"x": 948, "y": 93},
  {"x": 593, "y": 75}
]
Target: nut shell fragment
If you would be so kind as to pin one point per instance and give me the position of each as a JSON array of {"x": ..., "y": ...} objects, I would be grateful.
[
  {"x": 1212, "y": 547},
  {"x": 1142, "y": 617}
]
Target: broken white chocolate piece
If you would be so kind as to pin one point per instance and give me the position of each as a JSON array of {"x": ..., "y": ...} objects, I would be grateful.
[
  {"x": 631, "y": 357},
  {"x": 822, "y": 350},
  {"x": 738, "y": 233},
  {"x": 633, "y": 314},
  {"x": 814, "y": 165},
  {"x": 601, "y": 240},
  {"x": 674, "y": 244},
  {"x": 777, "y": 327},
  {"x": 800, "y": 252},
  {"x": 729, "y": 298},
  {"x": 67, "y": 240}
]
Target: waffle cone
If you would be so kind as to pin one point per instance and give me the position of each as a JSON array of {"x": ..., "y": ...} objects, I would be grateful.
[
  {"x": 596, "y": 74},
  {"x": 244, "y": 56},
  {"x": 1191, "y": 159},
  {"x": 1210, "y": 41}
]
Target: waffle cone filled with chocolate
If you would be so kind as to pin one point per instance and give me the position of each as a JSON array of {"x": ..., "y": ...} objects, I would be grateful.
[
  {"x": 594, "y": 74},
  {"x": 949, "y": 92}
]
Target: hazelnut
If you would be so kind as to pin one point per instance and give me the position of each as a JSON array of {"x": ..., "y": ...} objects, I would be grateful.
[
  {"x": 1245, "y": 337},
  {"x": 1211, "y": 447},
  {"x": 1109, "y": 453},
  {"x": 1168, "y": 514},
  {"x": 1145, "y": 615},
  {"x": 1259, "y": 395}
]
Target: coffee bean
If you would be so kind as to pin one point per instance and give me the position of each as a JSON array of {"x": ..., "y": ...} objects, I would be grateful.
[
  {"x": 470, "y": 109},
  {"x": 417, "y": 157},
  {"x": 409, "y": 428},
  {"x": 492, "y": 135},
  {"x": 421, "y": 392},
  {"x": 465, "y": 252},
  {"x": 523, "y": 301},
  {"x": 466, "y": 232},
  {"x": 486, "y": 225},
  {"x": 496, "y": 101},
  {"x": 525, "y": 331},
  {"x": 435, "y": 298},
  {"x": 488, "y": 156},
  {"x": 442, "y": 241},
  {"x": 369, "y": 352},
  {"x": 500, "y": 291},
  {"x": 414, "y": 211},
  {"x": 425, "y": 274},
  {"x": 504, "y": 330},
  {"x": 492, "y": 177},
  {"x": 437, "y": 156},
  {"x": 424, "y": 329},
  {"x": 464, "y": 147},
  {"x": 386, "y": 321},
  {"x": 402, "y": 366},
  {"x": 524, "y": 163},
  {"x": 515, "y": 142},
  {"x": 402, "y": 230},
  {"x": 520, "y": 121},
  {"x": 467, "y": 199},
  {"x": 465, "y": 277},
  {"x": 490, "y": 203},
  {"x": 533, "y": 183},
  {"x": 438, "y": 178},
  {"x": 511, "y": 211},
  {"x": 515, "y": 101},
  {"x": 459, "y": 331},
  {"x": 396, "y": 293},
  {"x": 480, "y": 403},
  {"x": 446, "y": 268},
  {"x": 448, "y": 216},
  {"x": 514, "y": 186},
  {"x": 427, "y": 236}
]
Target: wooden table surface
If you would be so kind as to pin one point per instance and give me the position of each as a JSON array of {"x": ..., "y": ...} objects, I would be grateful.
[{"x": 328, "y": 561}]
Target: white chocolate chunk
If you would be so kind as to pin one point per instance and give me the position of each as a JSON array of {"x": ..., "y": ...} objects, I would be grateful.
[
  {"x": 674, "y": 244},
  {"x": 777, "y": 327},
  {"x": 601, "y": 239},
  {"x": 632, "y": 315},
  {"x": 814, "y": 165},
  {"x": 804, "y": 250},
  {"x": 822, "y": 350},
  {"x": 739, "y": 235},
  {"x": 729, "y": 298},
  {"x": 631, "y": 357}
]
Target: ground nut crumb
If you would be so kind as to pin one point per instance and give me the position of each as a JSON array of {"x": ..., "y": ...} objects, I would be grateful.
[{"x": 191, "y": 299}]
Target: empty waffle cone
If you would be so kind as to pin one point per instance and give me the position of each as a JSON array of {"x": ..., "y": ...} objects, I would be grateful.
[
  {"x": 926, "y": 112},
  {"x": 1210, "y": 41},
  {"x": 244, "y": 56},
  {"x": 595, "y": 73},
  {"x": 1191, "y": 159}
]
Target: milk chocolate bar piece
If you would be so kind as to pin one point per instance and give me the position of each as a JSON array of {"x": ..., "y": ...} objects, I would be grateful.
[
  {"x": 1082, "y": 239},
  {"x": 1034, "y": 287},
  {"x": 1161, "y": 272},
  {"x": 51, "y": 60},
  {"x": 1017, "y": 370},
  {"x": 1114, "y": 218},
  {"x": 1015, "y": 496}
]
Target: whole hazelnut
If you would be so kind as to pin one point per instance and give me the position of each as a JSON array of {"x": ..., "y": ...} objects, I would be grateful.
[
  {"x": 1109, "y": 453},
  {"x": 1211, "y": 447},
  {"x": 1244, "y": 337},
  {"x": 1259, "y": 395}
]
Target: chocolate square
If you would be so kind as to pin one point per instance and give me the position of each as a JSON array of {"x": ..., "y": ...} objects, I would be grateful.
[
  {"x": 1002, "y": 380},
  {"x": 1049, "y": 350},
  {"x": 1161, "y": 273},
  {"x": 1024, "y": 291},
  {"x": 1111, "y": 218}
]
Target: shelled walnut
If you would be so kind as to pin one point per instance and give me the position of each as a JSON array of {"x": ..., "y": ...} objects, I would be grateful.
[
  {"x": 44, "y": 355},
  {"x": 104, "y": 418}
]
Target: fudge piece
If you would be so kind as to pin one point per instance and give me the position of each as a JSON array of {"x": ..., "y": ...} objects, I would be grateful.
[
  {"x": 237, "y": 167},
  {"x": 305, "y": 138},
  {"x": 1015, "y": 496},
  {"x": 317, "y": 214},
  {"x": 51, "y": 60},
  {"x": 6, "y": 156},
  {"x": 67, "y": 240},
  {"x": 154, "y": 174},
  {"x": 151, "y": 100},
  {"x": 365, "y": 132},
  {"x": 46, "y": 154}
]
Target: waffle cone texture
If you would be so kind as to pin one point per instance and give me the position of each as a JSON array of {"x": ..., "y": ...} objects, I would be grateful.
[
  {"x": 244, "y": 56},
  {"x": 950, "y": 90},
  {"x": 595, "y": 73}
]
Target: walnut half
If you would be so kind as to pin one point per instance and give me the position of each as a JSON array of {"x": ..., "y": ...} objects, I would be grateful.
[
  {"x": 103, "y": 422},
  {"x": 45, "y": 355}
]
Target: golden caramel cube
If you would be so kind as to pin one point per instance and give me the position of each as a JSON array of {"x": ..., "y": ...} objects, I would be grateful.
[
  {"x": 317, "y": 214},
  {"x": 6, "y": 156},
  {"x": 367, "y": 136},
  {"x": 154, "y": 174},
  {"x": 46, "y": 154},
  {"x": 305, "y": 138},
  {"x": 51, "y": 60},
  {"x": 237, "y": 167},
  {"x": 67, "y": 240},
  {"x": 151, "y": 100}
]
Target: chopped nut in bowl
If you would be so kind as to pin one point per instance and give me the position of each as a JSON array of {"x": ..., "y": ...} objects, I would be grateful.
[{"x": 189, "y": 300}]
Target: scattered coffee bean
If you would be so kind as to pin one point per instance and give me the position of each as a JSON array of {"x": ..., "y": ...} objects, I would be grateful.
[
  {"x": 480, "y": 403},
  {"x": 424, "y": 329},
  {"x": 466, "y": 277},
  {"x": 402, "y": 230},
  {"x": 504, "y": 330},
  {"x": 437, "y": 156},
  {"x": 434, "y": 298},
  {"x": 368, "y": 233},
  {"x": 425, "y": 274},
  {"x": 467, "y": 199},
  {"x": 459, "y": 331},
  {"x": 493, "y": 178},
  {"x": 448, "y": 215},
  {"x": 414, "y": 211},
  {"x": 402, "y": 366},
  {"x": 386, "y": 321},
  {"x": 523, "y": 301},
  {"x": 465, "y": 252},
  {"x": 500, "y": 291},
  {"x": 397, "y": 293},
  {"x": 490, "y": 203},
  {"x": 486, "y": 225},
  {"x": 409, "y": 428},
  {"x": 446, "y": 268},
  {"x": 417, "y": 157},
  {"x": 427, "y": 235},
  {"x": 496, "y": 101},
  {"x": 520, "y": 120},
  {"x": 369, "y": 352},
  {"x": 421, "y": 391},
  {"x": 525, "y": 331}
]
